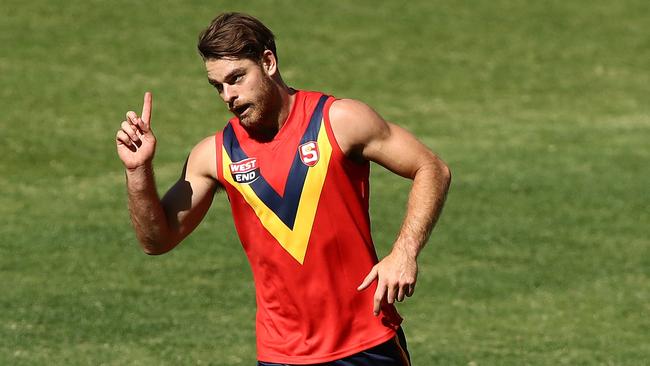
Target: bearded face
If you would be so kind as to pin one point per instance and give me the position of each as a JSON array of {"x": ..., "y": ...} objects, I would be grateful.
[
  {"x": 259, "y": 110},
  {"x": 246, "y": 88}
]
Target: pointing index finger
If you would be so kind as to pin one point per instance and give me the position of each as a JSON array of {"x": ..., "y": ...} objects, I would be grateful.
[
  {"x": 368, "y": 280},
  {"x": 146, "y": 108}
]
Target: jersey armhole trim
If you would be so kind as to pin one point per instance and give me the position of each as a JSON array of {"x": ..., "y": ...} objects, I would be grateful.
[
  {"x": 336, "y": 149},
  {"x": 218, "y": 142}
]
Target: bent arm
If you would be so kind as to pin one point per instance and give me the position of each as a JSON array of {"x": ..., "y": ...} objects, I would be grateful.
[
  {"x": 364, "y": 135},
  {"x": 160, "y": 224},
  {"x": 431, "y": 178}
]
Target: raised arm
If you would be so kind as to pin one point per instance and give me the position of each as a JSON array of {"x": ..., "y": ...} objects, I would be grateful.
[
  {"x": 365, "y": 135},
  {"x": 161, "y": 224}
]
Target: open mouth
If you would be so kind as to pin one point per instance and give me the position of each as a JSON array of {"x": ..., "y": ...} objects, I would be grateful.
[{"x": 240, "y": 110}]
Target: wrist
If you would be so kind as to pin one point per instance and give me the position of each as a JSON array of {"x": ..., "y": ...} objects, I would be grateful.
[
  {"x": 139, "y": 178},
  {"x": 145, "y": 168},
  {"x": 408, "y": 247}
]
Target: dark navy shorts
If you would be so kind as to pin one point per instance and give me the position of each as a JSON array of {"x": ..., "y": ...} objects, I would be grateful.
[{"x": 390, "y": 353}]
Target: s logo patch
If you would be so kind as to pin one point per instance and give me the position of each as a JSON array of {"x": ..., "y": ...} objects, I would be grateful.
[
  {"x": 309, "y": 153},
  {"x": 245, "y": 171}
]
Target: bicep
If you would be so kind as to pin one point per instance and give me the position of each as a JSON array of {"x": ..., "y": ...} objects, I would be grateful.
[
  {"x": 397, "y": 150},
  {"x": 188, "y": 200},
  {"x": 363, "y": 134}
]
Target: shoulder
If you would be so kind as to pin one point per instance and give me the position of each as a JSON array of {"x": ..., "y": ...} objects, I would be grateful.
[
  {"x": 205, "y": 148},
  {"x": 355, "y": 125},
  {"x": 202, "y": 158},
  {"x": 350, "y": 110}
]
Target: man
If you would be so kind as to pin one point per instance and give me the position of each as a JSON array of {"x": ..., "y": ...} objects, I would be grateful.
[{"x": 295, "y": 167}]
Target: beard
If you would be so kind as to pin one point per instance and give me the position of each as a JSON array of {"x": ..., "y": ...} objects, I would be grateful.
[{"x": 261, "y": 112}]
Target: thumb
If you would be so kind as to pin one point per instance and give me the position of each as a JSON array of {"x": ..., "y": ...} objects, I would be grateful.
[{"x": 369, "y": 279}]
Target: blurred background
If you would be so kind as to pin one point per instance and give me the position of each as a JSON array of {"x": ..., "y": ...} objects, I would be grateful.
[{"x": 541, "y": 257}]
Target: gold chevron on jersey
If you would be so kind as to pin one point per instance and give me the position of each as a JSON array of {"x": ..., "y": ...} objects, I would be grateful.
[{"x": 289, "y": 217}]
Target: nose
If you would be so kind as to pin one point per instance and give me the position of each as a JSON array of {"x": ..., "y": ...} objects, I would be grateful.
[{"x": 229, "y": 94}]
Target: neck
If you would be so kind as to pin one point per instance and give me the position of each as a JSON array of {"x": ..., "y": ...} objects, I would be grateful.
[
  {"x": 287, "y": 97},
  {"x": 283, "y": 98}
]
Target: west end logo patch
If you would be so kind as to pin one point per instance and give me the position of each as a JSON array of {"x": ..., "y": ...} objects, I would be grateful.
[
  {"x": 309, "y": 153},
  {"x": 245, "y": 171}
]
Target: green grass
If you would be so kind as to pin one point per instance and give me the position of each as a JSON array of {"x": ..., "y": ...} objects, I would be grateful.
[{"x": 542, "y": 256}]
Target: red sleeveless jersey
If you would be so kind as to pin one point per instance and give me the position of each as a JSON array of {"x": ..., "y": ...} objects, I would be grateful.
[{"x": 301, "y": 211}]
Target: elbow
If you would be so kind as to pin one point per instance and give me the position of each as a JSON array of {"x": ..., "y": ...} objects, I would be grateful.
[
  {"x": 440, "y": 172},
  {"x": 155, "y": 248},
  {"x": 445, "y": 173},
  {"x": 153, "y": 252}
]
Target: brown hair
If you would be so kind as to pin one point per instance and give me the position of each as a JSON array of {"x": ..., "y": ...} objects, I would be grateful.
[{"x": 236, "y": 35}]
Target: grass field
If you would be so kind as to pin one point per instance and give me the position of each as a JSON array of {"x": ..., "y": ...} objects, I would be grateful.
[{"x": 542, "y": 256}]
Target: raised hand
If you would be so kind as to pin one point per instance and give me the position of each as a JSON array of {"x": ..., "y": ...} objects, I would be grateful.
[{"x": 136, "y": 143}]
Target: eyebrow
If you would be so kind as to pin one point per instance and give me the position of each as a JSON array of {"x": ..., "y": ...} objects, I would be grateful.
[{"x": 230, "y": 75}]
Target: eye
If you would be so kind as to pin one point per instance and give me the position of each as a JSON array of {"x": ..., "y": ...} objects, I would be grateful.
[
  {"x": 239, "y": 78},
  {"x": 215, "y": 84}
]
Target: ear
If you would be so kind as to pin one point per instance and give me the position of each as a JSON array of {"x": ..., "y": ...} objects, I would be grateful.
[{"x": 269, "y": 63}]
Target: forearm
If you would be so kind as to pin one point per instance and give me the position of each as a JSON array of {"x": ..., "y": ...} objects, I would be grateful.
[
  {"x": 426, "y": 200},
  {"x": 396, "y": 274},
  {"x": 146, "y": 211}
]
